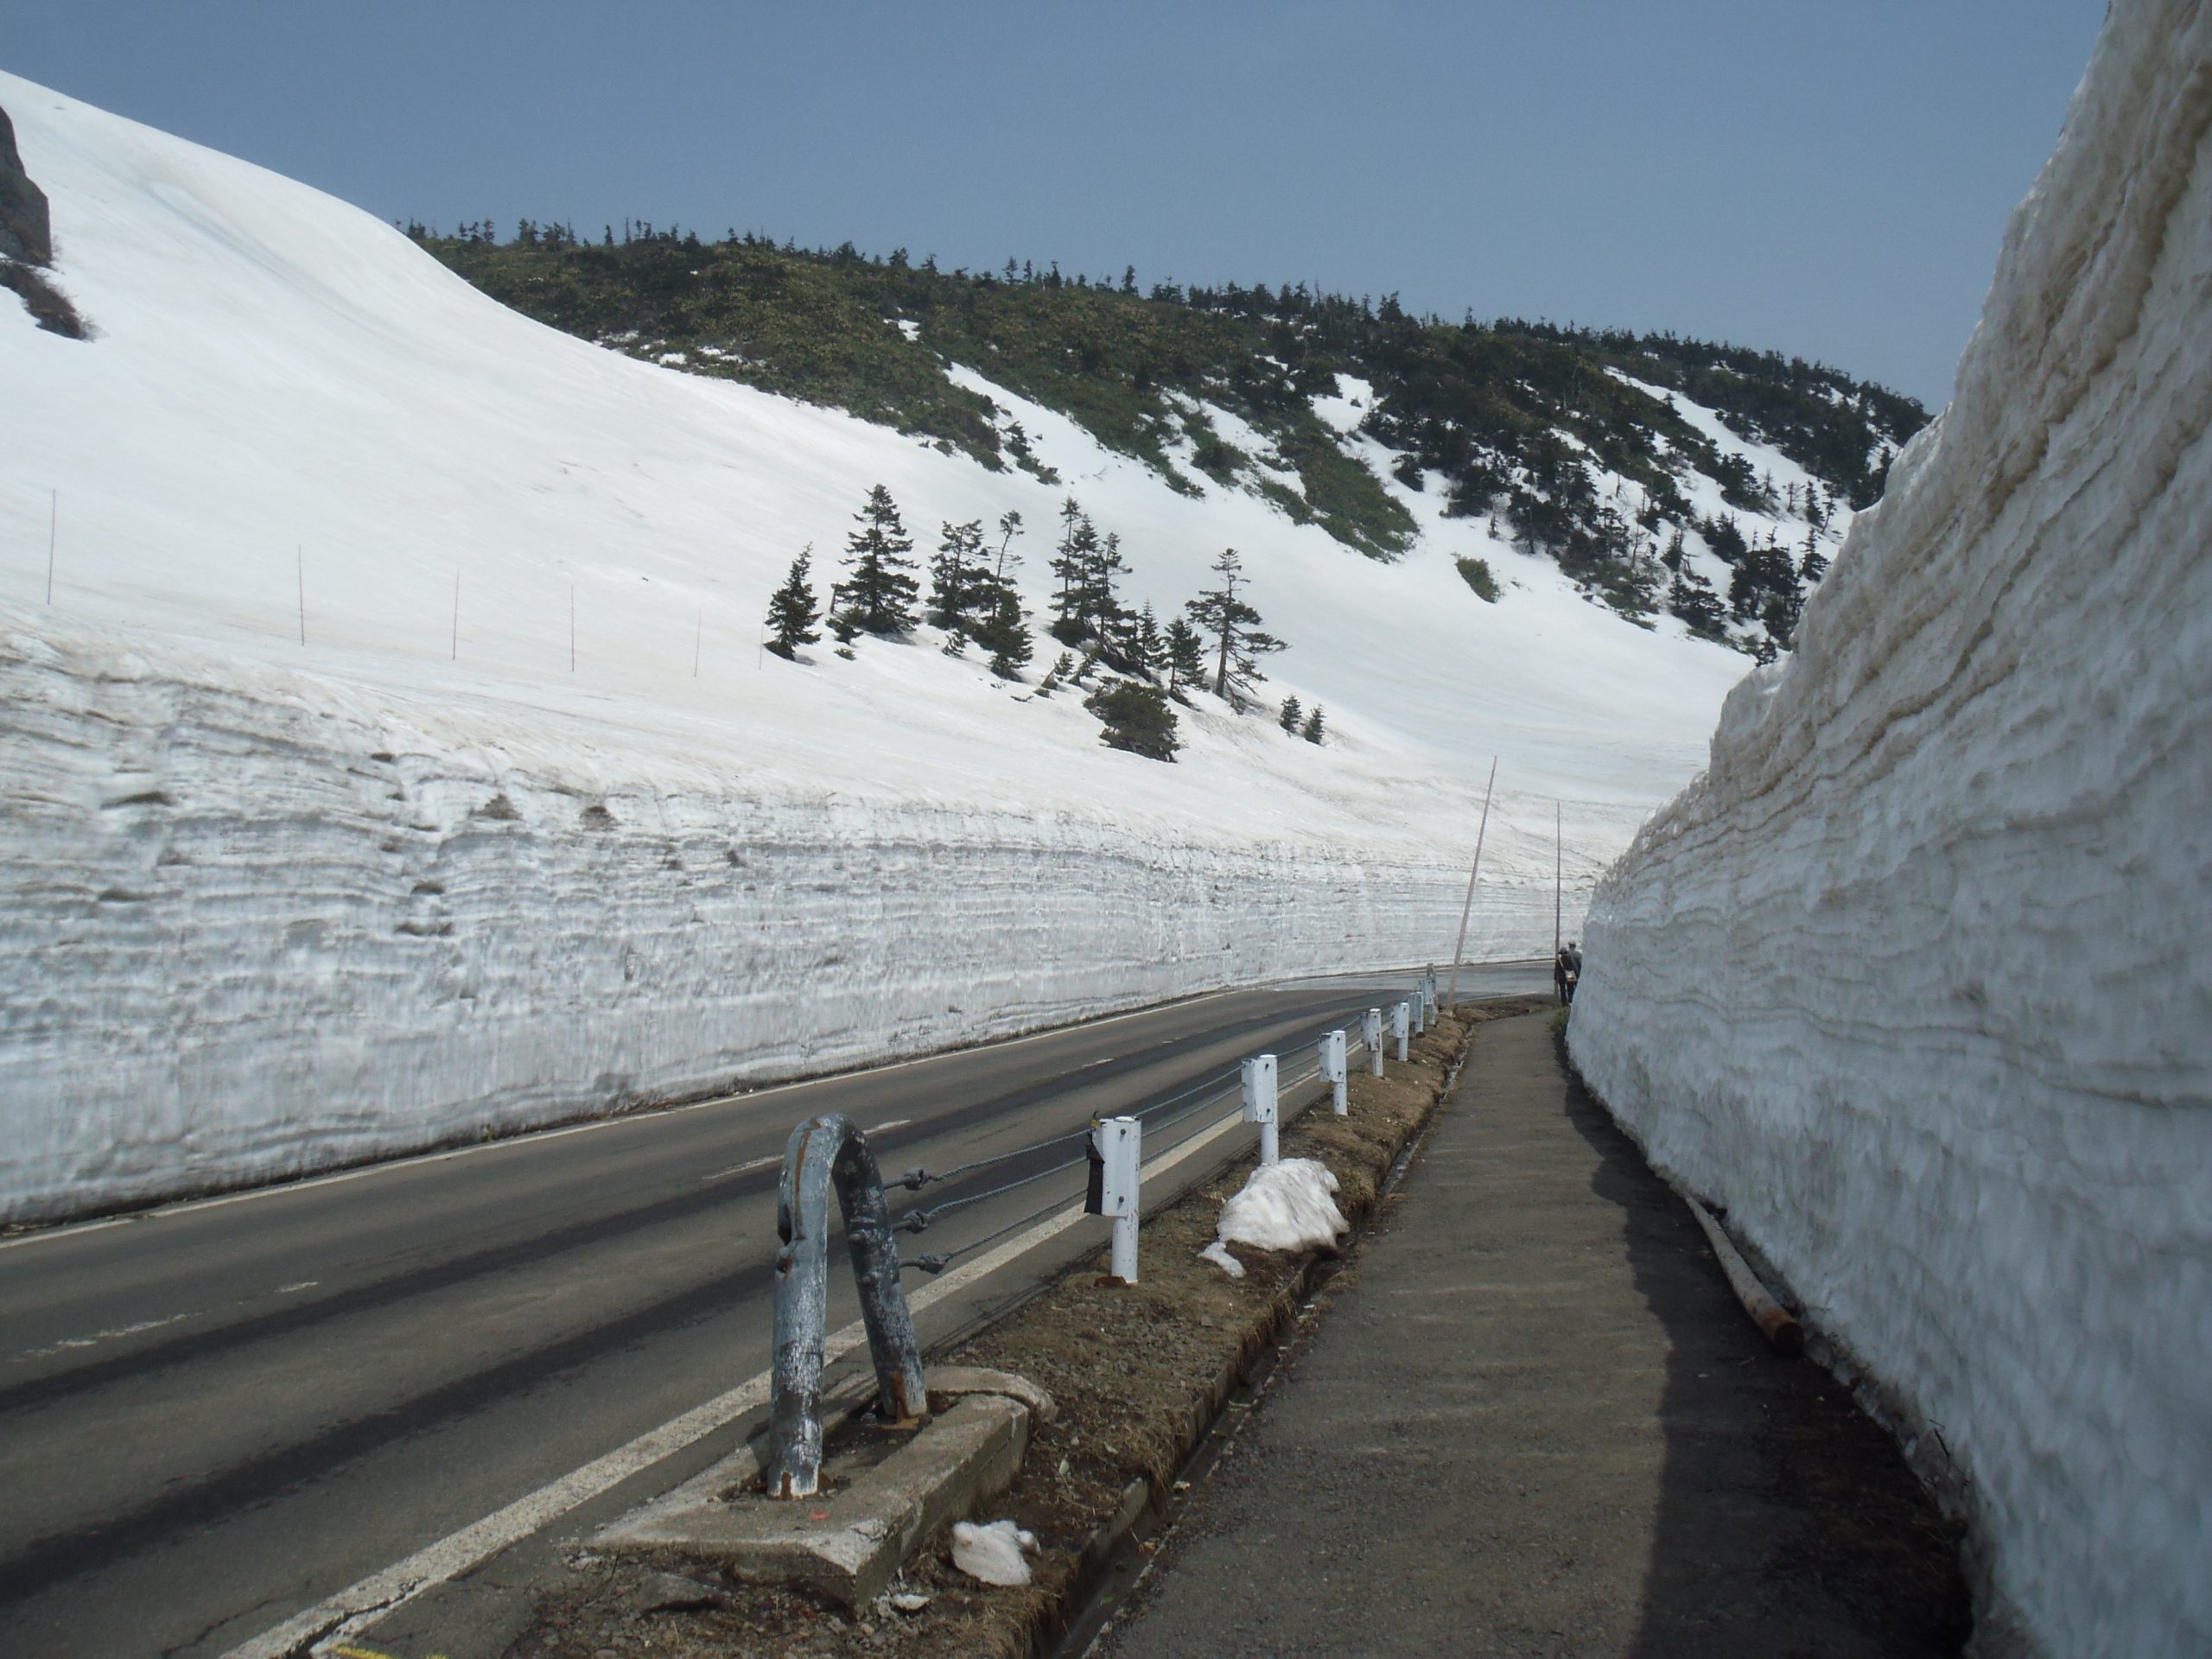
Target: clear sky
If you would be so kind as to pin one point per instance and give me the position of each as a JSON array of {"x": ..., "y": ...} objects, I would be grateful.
[{"x": 1827, "y": 177}]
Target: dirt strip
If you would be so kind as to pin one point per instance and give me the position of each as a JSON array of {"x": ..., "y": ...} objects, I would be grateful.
[{"x": 1140, "y": 1373}]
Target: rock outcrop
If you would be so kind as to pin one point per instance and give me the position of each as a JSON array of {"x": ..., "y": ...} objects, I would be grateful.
[{"x": 26, "y": 232}]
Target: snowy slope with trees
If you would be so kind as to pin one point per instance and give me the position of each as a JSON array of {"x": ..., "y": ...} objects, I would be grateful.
[
  {"x": 399, "y": 755},
  {"x": 1916, "y": 981}
]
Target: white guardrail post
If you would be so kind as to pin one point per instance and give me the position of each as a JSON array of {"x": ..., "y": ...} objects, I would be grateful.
[
  {"x": 1260, "y": 1103},
  {"x": 1370, "y": 1033},
  {"x": 1115, "y": 1147},
  {"x": 1332, "y": 1068},
  {"x": 1402, "y": 1019}
]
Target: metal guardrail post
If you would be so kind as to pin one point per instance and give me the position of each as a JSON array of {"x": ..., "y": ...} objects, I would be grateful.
[
  {"x": 1332, "y": 1068},
  {"x": 1115, "y": 1167},
  {"x": 825, "y": 1151},
  {"x": 1260, "y": 1103},
  {"x": 1370, "y": 1033},
  {"x": 1400, "y": 1026}
]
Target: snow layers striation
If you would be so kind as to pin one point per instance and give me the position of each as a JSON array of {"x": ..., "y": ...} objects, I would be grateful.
[
  {"x": 1916, "y": 981},
  {"x": 396, "y": 757}
]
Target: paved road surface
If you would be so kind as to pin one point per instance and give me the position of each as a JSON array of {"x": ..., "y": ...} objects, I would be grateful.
[{"x": 215, "y": 1414}]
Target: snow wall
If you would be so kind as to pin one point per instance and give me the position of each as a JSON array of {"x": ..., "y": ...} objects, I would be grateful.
[
  {"x": 260, "y": 928},
  {"x": 1917, "y": 980}
]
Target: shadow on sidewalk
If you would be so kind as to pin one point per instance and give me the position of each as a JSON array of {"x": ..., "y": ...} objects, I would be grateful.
[{"x": 1788, "y": 1522}]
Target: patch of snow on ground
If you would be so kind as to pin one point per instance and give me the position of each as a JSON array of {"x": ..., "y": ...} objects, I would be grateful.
[
  {"x": 1289, "y": 1205},
  {"x": 995, "y": 1551}
]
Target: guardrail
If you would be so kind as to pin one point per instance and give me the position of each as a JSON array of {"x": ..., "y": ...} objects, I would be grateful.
[{"x": 830, "y": 1152}]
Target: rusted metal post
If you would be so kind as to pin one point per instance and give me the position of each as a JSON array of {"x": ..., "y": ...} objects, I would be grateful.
[{"x": 823, "y": 1152}]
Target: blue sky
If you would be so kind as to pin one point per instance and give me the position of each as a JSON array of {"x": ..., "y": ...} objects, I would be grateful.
[{"x": 1829, "y": 180}]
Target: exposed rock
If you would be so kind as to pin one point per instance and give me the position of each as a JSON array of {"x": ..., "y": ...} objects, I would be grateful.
[{"x": 26, "y": 232}]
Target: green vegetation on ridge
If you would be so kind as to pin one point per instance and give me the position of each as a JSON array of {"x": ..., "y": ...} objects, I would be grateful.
[{"x": 1506, "y": 419}]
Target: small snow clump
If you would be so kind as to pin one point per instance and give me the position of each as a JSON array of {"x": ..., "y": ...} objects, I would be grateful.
[
  {"x": 992, "y": 1552},
  {"x": 1285, "y": 1206}
]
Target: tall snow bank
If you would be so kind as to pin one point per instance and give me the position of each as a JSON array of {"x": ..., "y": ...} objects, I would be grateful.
[{"x": 1917, "y": 980}]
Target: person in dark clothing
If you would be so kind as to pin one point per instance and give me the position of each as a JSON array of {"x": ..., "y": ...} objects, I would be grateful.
[{"x": 1566, "y": 971}]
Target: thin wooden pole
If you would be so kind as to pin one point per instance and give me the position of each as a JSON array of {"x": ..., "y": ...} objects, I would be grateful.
[
  {"x": 1559, "y": 876},
  {"x": 1452, "y": 991}
]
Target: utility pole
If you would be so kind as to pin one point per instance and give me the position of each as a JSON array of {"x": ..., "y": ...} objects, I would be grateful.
[
  {"x": 1452, "y": 991},
  {"x": 1559, "y": 877}
]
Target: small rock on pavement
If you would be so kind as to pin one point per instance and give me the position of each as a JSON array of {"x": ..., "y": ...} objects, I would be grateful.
[{"x": 670, "y": 1592}]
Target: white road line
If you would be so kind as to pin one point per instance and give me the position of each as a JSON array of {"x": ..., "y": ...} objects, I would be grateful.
[
  {"x": 741, "y": 1169},
  {"x": 100, "y": 1337},
  {"x": 890, "y": 1124},
  {"x": 340, "y": 1618}
]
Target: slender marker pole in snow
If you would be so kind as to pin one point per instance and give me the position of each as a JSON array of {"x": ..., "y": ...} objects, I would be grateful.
[
  {"x": 1452, "y": 991},
  {"x": 53, "y": 530},
  {"x": 300, "y": 557},
  {"x": 1559, "y": 875}
]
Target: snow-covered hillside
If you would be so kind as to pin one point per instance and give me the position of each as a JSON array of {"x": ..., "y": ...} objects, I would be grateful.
[
  {"x": 271, "y": 903},
  {"x": 1916, "y": 981}
]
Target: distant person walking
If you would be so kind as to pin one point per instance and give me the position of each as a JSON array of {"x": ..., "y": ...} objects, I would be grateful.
[{"x": 1566, "y": 971}]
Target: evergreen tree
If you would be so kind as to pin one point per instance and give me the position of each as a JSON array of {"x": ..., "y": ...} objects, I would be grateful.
[
  {"x": 792, "y": 612},
  {"x": 1137, "y": 717},
  {"x": 877, "y": 594},
  {"x": 1313, "y": 725},
  {"x": 957, "y": 577},
  {"x": 1055, "y": 676},
  {"x": 1185, "y": 657},
  {"x": 1293, "y": 715},
  {"x": 1003, "y": 632},
  {"x": 1238, "y": 641},
  {"x": 1009, "y": 527},
  {"x": 1148, "y": 651}
]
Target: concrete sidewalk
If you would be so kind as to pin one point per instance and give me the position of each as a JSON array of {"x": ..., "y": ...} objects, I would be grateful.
[{"x": 1531, "y": 1419}]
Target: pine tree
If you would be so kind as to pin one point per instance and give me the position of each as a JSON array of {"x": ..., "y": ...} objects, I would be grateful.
[
  {"x": 792, "y": 610},
  {"x": 955, "y": 577},
  {"x": 877, "y": 595},
  {"x": 1313, "y": 724},
  {"x": 1002, "y": 631},
  {"x": 1292, "y": 716},
  {"x": 1009, "y": 527},
  {"x": 1238, "y": 642},
  {"x": 1055, "y": 676},
  {"x": 1186, "y": 660},
  {"x": 1147, "y": 652},
  {"x": 1137, "y": 717}
]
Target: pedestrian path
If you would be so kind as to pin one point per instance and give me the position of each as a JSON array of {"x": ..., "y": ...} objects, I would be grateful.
[{"x": 1532, "y": 1420}]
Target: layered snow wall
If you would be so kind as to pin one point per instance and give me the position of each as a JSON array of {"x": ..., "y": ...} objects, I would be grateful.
[{"x": 1916, "y": 981}]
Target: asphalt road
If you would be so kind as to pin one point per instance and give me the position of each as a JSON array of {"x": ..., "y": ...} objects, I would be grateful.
[{"x": 212, "y": 1415}]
